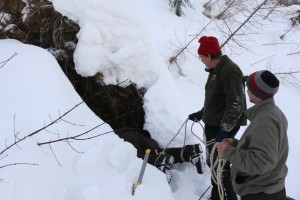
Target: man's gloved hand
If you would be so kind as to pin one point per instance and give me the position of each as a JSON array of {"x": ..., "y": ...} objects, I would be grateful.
[
  {"x": 221, "y": 135},
  {"x": 196, "y": 117}
]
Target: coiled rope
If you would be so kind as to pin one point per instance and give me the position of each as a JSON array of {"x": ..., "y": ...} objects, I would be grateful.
[
  {"x": 216, "y": 166},
  {"x": 216, "y": 175}
]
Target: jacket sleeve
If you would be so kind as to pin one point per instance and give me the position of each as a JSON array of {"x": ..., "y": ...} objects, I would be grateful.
[
  {"x": 258, "y": 153},
  {"x": 234, "y": 89}
]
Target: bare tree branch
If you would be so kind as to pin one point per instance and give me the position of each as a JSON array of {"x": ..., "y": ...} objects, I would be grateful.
[
  {"x": 54, "y": 155},
  {"x": 77, "y": 137},
  {"x": 288, "y": 77},
  {"x": 271, "y": 10},
  {"x": 263, "y": 60},
  {"x": 37, "y": 131},
  {"x": 243, "y": 23},
  {"x": 293, "y": 53},
  {"x": 222, "y": 13},
  {"x": 6, "y": 61},
  {"x": 173, "y": 58},
  {"x": 7, "y": 165}
]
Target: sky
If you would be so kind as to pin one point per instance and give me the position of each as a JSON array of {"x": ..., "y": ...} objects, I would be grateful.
[{"x": 132, "y": 40}]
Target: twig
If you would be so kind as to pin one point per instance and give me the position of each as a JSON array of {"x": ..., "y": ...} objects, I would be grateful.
[
  {"x": 2, "y": 16},
  {"x": 72, "y": 123},
  {"x": 54, "y": 155},
  {"x": 6, "y": 61},
  {"x": 50, "y": 124},
  {"x": 37, "y": 131},
  {"x": 262, "y": 60},
  {"x": 271, "y": 10},
  {"x": 243, "y": 23},
  {"x": 173, "y": 58},
  {"x": 222, "y": 13},
  {"x": 17, "y": 164},
  {"x": 280, "y": 43},
  {"x": 293, "y": 53},
  {"x": 287, "y": 73},
  {"x": 76, "y": 137},
  {"x": 73, "y": 147}
]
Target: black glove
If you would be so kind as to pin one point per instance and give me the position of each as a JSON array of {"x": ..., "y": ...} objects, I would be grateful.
[
  {"x": 197, "y": 116},
  {"x": 245, "y": 78},
  {"x": 221, "y": 136}
]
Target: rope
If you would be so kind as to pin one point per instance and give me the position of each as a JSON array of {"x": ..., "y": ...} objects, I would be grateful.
[
  {"x": 219, "y": 163},
  {"x": 205, "y": 143},
  {"x": 185, "y": 133},
  {"x": 183, "y": 148},
  {"x": 216, "y": 175},
  {"x": 163, "y": 151}
]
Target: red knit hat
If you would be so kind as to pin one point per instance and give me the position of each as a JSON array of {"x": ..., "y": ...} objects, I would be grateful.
[{"x": 208, "y": 45}]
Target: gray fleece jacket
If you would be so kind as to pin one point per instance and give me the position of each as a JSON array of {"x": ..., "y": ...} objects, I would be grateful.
[{"x": 259, "y": 158}]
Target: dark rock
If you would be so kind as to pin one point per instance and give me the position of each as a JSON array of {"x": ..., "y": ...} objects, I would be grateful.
[{"x": 39, "y": 24}]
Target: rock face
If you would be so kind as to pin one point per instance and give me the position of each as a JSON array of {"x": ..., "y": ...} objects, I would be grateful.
[{"x": 46, "y": 28}]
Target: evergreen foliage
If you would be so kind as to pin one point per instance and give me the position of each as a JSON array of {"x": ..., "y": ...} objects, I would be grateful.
[{"x": 176, "y": 6}]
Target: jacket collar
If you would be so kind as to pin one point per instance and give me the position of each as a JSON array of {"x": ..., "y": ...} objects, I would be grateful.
[
  {"x": 253, "y": 111},
  {"x": 224, "y": 59}
]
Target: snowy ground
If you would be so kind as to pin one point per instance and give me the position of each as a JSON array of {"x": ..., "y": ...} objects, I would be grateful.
[{"x": 133, "y": 39}]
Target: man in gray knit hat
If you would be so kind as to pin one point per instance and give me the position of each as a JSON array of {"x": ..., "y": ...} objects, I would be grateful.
[{"x": 259, "y": 157}]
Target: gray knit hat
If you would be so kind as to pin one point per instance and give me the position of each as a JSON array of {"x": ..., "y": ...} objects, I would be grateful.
[{"x": 263, "y": 84}]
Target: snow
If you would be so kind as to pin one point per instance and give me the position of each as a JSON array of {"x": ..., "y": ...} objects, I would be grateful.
[{"x": 133, "y": 41}]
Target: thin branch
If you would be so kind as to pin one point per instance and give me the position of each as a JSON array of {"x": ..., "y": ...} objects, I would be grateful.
[
  {"x": 289, "y": 77},
  {"x": 37, "y": 131},
  {"x": 243, "y": 23},
  {"x": 73, "y": 147},
  {"x": 271, "y": 10},
  {"x": 287, "y": 73},
  {"x": 281, "y": 43},
  {"x": 293, "y": 53},
  {"x": 6, "y": 61},
  {"x": 2, "y": 16},
  {"x": 88, "y": 138},
  {"x": 76, "y": 137},
  {"x": 3, "y": 157},
  {"x": 263, "y": 60},
  {"x": 3, "y": 166},
  {"x": 222, "y": 13},
  {"x": 72, "y": 123},
  {"x": 54, "y": 154},
  {"x": 16, "y": 134},
  {"x": 173, "y": 58}
]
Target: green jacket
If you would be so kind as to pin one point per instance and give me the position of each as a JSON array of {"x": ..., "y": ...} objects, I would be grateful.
[
  {"x": 225, "y": 98},
  {"x": 259, "y": 159}
]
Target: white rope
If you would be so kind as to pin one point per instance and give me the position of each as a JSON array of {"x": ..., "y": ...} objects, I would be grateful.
[
  {"x": 216, "y": 175},
  {"x": 218, "y": 164},
  {"x": 163, "y": 151},
  {"x": 184, "y": 123},
  {"x": 203, "y": 141},
  {"x": 185, "y": 133}
]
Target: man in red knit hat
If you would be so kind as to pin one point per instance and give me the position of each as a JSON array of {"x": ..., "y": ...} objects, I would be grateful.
[{"x": 224, "y": 104}]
